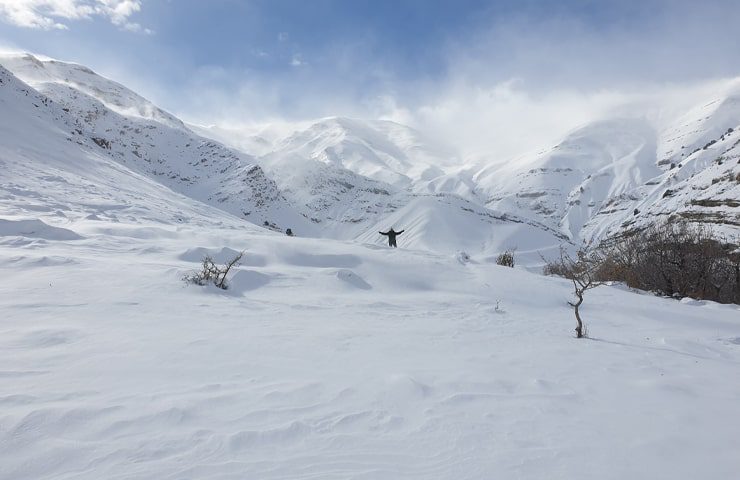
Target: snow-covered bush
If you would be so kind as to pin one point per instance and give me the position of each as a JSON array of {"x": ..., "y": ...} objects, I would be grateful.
[
  {"x": 506, "y": 258},
  {"x": 212, "y": 273}
]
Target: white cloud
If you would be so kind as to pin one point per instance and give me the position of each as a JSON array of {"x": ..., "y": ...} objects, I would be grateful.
[
  {"x": 50, "y": 14},
  {"x": 297, "y": 61}
]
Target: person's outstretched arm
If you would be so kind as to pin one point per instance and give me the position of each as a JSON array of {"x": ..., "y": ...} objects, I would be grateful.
[
  {"x": 399, "y": 233},
  {"x": 383, "y": 233}
]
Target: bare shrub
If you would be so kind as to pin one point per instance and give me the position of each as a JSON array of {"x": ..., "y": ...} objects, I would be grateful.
[
  {"x": 582, "y": 271},
  {"x": 674, "y": 259},
  {"x": 506, "y": 258},
  {"x": 212, "y": 273}
]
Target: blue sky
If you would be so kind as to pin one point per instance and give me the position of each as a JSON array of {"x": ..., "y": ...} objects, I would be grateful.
[{"x": 256, "y": 60}]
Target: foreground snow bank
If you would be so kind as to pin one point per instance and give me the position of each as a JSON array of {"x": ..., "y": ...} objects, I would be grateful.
[
  {"x": 338, "y": 360},
  {"x": 35, "y": 229}
]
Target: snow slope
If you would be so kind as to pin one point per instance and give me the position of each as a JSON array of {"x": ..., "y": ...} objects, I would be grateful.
[
  {"x": 354, "y": 178},
  {"x": 584, "y": 189},
  {"x": 138, "y": 135},
  {"x": 380, "y": 150},
  {"x": 325, "y": 358},
  {"x": 338, "y": 178},
  {"x": 347, "y": 178},
  {"x": 328, "y": 359},
  {"x": 568, "y": 185},
  {"x": 49, "y": 169}
]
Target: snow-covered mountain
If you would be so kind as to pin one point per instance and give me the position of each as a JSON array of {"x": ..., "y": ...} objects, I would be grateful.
[
  {"x": 348, "y": 178},
  {"x": 153, "y": 143},
  {"x": 625, "y": 173},
  {"x": 338, "y": 177},
  {"x": 380, "y": 150},
  {"x": 568, "y": 185},
  {"x": 329, "y": 358}
]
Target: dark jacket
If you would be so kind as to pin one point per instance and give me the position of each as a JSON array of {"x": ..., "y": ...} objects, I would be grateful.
[{"x": 392, "y": 234}]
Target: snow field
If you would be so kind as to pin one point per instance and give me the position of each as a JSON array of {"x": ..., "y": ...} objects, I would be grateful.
[{"x": 338, "y": 360}]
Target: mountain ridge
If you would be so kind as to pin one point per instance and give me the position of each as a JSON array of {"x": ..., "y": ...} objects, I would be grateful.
[{"x": 346, "y": 178}]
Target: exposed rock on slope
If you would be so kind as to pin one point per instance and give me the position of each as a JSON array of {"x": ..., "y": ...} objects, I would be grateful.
[{"x": 152, "y": 142}]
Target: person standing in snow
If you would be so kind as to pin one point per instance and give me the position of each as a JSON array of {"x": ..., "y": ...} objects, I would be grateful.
[{"x": 391, "y": 234}]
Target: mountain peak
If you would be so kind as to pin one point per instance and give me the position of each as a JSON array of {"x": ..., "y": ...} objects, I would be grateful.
[{"x": 47, "y": 74}]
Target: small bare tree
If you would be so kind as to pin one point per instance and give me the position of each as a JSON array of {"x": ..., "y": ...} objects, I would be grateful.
[
  {"x": 583, "y": 272},
  {"x": 212, "y": 273}
]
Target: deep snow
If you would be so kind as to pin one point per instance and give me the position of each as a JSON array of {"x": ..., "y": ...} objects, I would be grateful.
[{"x": 341, "y": 360}]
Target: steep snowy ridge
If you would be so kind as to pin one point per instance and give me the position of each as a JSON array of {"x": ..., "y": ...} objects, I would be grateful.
[
  {"x": 54, "y": 172},
  {"x": 568, "y": 185},
  {"x": 327, "y": 194},
  {"x": 381, "y": 150},
  {"x": 146, "y": 139},
  {"x": 704, "y": 188},
  {"x": 702, "y": 125},
  {"x": 699, "y": 181},
  {"x": 113, "y": 95},
  {"x": 608, "y": 177}
]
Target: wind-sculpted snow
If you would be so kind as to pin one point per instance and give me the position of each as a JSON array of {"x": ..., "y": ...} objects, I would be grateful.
[
  {"x": 35, "y": 229},
  {"x": 330, "y": 359}
]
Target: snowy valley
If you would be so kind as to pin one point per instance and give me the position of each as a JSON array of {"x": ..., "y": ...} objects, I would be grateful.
[
  {"x": 332, "y": 355},
  {"x": 344, "y": 178}
]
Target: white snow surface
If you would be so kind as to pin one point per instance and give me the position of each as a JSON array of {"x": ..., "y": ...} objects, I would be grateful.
[
  {"x": 327, "y": 359},
  {"x": 330, "y": 359}
]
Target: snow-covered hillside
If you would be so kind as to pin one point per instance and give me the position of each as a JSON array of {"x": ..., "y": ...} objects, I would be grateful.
[
  {"x": 338, "y": 178},
  {"x": 380, "y": 150},
  {"x": 603, "y": 178},
  {"x": 49, "y": 170},
  {"x": 149, "y": 141},
  {"x": 568, "y": 185},
  {"x": 335, "y": 358},
  {"x": 626, "y": 173},
  {"x": 330, "y": 359},
  {"x": 347, "y": 178}
]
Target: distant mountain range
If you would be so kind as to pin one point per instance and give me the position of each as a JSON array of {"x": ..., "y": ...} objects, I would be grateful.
[{"x": 72, "y": 138}]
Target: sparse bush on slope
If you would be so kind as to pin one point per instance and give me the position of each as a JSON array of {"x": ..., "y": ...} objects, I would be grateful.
[
  {"x": 212, "y": 273},
  {"x": 674, "y": 259},
  {"x": 506, "y": 258}
]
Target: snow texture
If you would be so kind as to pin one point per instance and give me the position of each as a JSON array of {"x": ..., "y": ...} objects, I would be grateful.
[{"x": 340, "y": 357}]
